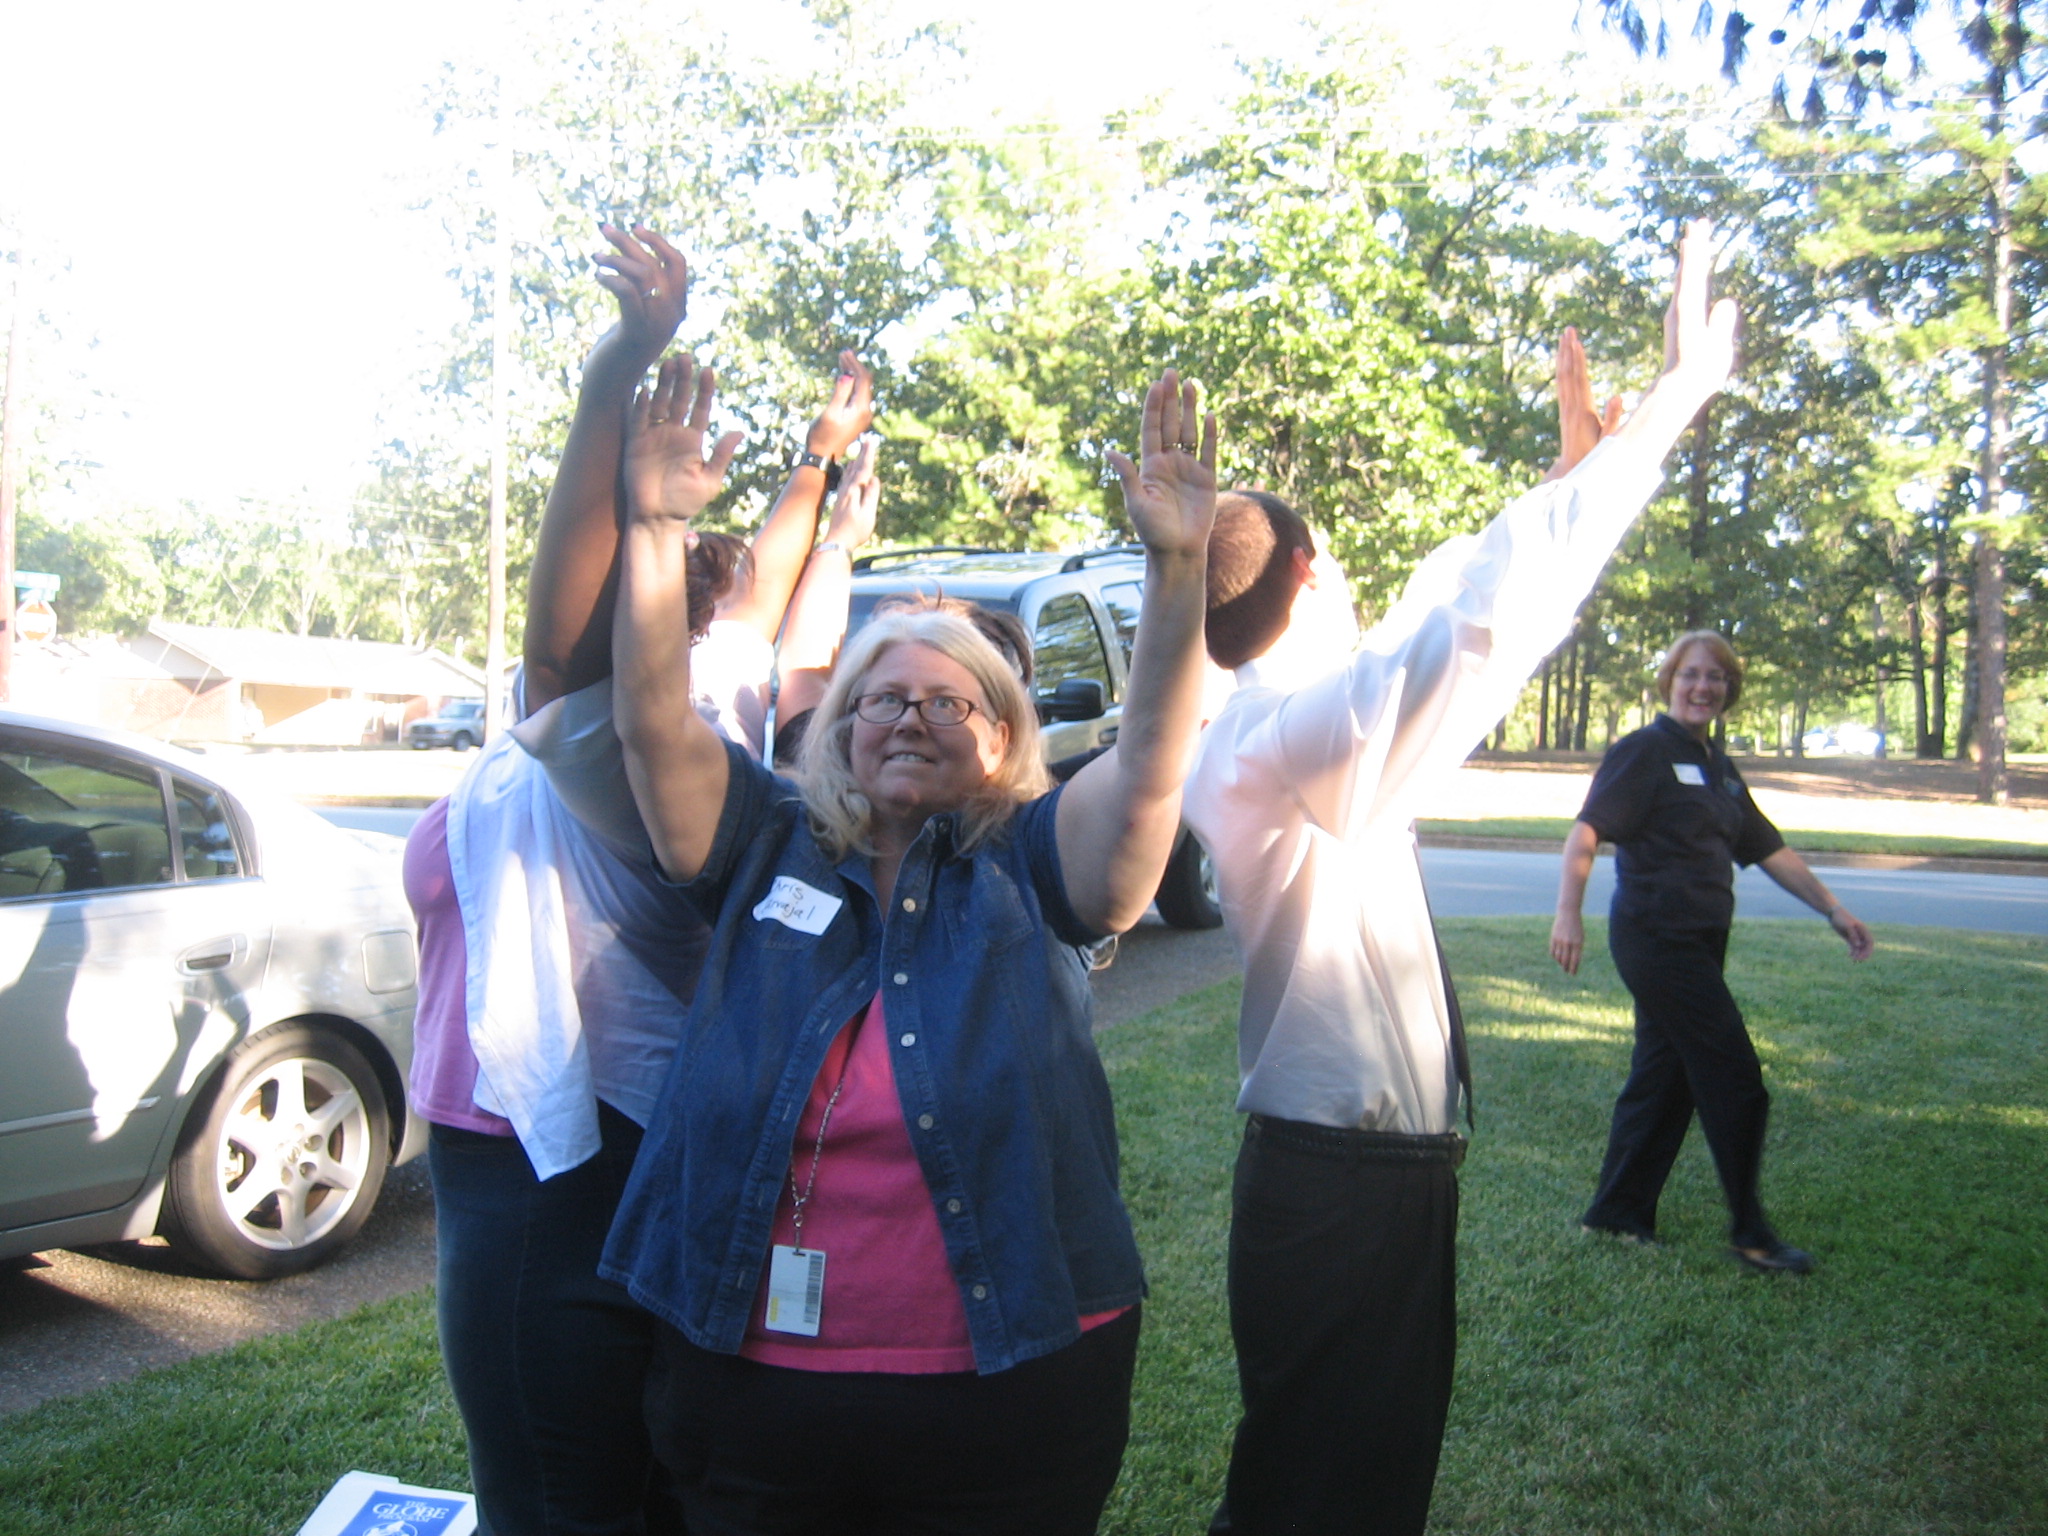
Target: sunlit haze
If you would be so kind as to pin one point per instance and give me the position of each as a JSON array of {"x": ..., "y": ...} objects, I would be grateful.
[{"x": 228, "y": 291}]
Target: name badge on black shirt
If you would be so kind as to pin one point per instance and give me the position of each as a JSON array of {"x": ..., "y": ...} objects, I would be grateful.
[{"x": 1690, "y": 773}]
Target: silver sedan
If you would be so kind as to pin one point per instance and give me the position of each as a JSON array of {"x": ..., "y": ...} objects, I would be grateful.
[{"x": 206, "y": 1001}]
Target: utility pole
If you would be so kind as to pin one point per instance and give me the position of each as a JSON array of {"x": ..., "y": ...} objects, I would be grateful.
[
  {"x": 9, "y": 411},
  {"x": 501, "y": 303}
]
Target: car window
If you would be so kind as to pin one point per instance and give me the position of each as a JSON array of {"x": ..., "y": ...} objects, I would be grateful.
[
  {"x": 1067, "y": 644},
  {"x": 206, "y": 834},
  {"x": 71, "y": 824},
  {"x": 1123, "y": 599}
]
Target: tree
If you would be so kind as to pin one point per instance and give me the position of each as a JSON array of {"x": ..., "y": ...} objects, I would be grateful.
[{"x": 2004, "y": 39}]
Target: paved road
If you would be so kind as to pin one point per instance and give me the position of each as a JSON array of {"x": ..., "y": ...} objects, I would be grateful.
[
  {"x": 1484, "y": 882},
  {"x": 70, "y": 1322}
]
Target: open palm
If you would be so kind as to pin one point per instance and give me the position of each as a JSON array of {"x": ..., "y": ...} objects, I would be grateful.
[
  {"x": 1170, "y": 495},
  {"x": 667, "y": 472}
]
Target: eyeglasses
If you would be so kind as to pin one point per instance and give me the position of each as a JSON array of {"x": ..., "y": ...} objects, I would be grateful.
[
  {"x": 1690, "y": 675},
  {"x": 939, "y": 709}
]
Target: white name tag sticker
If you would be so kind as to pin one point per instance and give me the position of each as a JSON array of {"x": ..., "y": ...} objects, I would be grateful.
[
  {"x": 796, "y": 905},
  {"x": 1688, "y": 773},
  {"x": 796, "y": 1290}
]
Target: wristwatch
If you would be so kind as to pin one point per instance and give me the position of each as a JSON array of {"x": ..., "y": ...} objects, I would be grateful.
[{"x": 803, "y": 458}]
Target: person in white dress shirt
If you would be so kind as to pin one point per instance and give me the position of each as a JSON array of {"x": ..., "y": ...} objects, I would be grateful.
[{"x": 1345, "y": 1201}]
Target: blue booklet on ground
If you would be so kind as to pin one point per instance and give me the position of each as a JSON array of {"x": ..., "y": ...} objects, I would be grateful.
[{"x": 368, "y": 1504}]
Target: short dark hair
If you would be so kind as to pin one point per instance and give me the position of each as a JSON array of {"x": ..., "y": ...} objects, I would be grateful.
[
  {"x": 715, "y": 559},
  {"x": 1716, "y": 647},
  {"x": 1251, "y": 574}
]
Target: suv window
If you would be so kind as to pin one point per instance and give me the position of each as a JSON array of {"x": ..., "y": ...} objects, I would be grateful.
[
  {"x": 1123, "y": 599},
  {"x": 1067, "y": 644},
  {"x": 71, "y": 825}
]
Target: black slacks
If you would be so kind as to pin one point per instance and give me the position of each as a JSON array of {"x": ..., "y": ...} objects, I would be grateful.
[
  {"x": 548, "y": 1361},
  {"x": 760, "y": 1450},
  {"x": 1343, "y": 1306},
  {"x": 1692, "y": 1052}
]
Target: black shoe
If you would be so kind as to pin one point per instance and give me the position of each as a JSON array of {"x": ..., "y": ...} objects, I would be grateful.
[
  {"x": 1778, "y": 1258},
  {"x": 1634, "y": 1235}
]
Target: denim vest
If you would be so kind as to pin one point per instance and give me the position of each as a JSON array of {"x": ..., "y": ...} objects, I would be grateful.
[{"x": 989, "y": 1015}]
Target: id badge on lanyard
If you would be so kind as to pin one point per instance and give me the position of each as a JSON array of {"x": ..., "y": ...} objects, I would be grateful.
[{"x": 796, "y": 1290}]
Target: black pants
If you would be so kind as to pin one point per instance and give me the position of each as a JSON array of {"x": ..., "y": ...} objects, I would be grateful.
[
  {"x": 1692, "y": 1052},
  {"x": 1343, "y": 1306},
  {"x": 548, "y": 1361},
  {"x": 759, "y": 1450}
]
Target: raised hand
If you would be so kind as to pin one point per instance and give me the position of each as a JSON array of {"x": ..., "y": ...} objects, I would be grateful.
[
  {"x": 651, "y": 281},
  {"x": 847, "y": 414},
  {"x": 1579, "y": 426},
  {"x": 1699, "y": 333},
  {"x": 667, "y": 474},
  {"x": 852, "y": 522},
  {"x": 1170, "y": 495}
]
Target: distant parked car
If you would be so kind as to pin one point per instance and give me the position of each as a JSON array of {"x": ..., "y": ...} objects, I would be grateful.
[
  {"x": 206, "y": 1004},
  {"x": 460, "y": 725},
  {"x": 1081, "y": 611}
]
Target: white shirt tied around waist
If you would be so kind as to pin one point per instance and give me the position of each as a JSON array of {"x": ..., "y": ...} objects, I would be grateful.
[
  {"x": 581, "y": 963},
  {"x": 1303, "y": 788},
  {"x": 578, "y": 978}
]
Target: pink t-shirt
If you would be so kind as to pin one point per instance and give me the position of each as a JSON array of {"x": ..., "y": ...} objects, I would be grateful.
[
  {"x": 443, "y": 1064},
  {"x": 891, "y": 1302}
]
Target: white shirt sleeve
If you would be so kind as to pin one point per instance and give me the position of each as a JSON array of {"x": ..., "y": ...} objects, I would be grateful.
[{"x": 1433, "y": 676}]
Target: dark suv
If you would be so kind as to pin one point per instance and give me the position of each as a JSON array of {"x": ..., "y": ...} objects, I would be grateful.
[{"x": 1081, "y": 611}]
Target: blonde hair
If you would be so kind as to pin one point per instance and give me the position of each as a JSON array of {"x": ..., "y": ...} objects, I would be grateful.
[
  {"x": 1724, "y": 658},
  {"x": 842, "y": 818}
]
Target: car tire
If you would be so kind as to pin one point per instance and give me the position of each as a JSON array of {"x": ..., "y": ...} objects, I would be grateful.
[
  {"x": 282, "y": 1160},
  {"x": 463, "y": 741},
  {"x": 1187, "y": 893}
]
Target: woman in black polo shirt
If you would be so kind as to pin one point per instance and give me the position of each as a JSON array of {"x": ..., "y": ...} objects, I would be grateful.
[{"x": 1681, "y": 818}]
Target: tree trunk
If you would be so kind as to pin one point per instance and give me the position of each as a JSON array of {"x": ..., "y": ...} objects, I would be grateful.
[
  {"x": 1937, "y": 588},
  {"x": 1966, "y": 713},
  {"x": 1916, "y": 643},
  {"x": 1543, "y": 706},
  {"x": 1993, "y": 787},
  {"x": 1799, "y": 726},
  {"x": 1699, "y": 501},
  {"x": 1585, "y": 709}
]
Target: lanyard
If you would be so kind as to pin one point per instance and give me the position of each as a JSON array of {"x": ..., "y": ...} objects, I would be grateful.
[{"x": 798, "y": 1199}]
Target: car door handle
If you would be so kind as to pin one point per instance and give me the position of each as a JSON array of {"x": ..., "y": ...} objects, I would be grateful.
[
  {"x": 1107, "y": 736},
  {"x": 213, "y": 955}
]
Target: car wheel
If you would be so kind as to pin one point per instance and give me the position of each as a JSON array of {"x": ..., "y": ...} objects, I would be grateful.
[
  {"x": 1187, "y": 893},
  {"x": 463, "y": 741},
  {"x": 282, "y": 1162}
]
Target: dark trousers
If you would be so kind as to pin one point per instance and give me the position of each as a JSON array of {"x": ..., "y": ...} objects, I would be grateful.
[
  {"x": 1343, "y": 1306},
  {"x": 759, "y": 1450},
  {"x": 548, "y": 1362},
  {"x": 1692, "y": 1052}
]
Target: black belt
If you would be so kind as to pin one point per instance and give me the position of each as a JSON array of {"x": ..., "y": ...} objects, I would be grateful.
[{"x": 1356, "y": 1146}]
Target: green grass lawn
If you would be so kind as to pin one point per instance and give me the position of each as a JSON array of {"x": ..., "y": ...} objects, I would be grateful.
[
  {"x": 1551, "y": 829},
  {"x": 1601, "y": 1389}
]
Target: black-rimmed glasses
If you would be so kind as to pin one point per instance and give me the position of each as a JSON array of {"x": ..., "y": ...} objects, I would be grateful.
[{"x": 939, "y": 709}]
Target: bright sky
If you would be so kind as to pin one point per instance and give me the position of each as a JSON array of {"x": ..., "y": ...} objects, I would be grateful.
[{"x": 212, "y": 197}]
